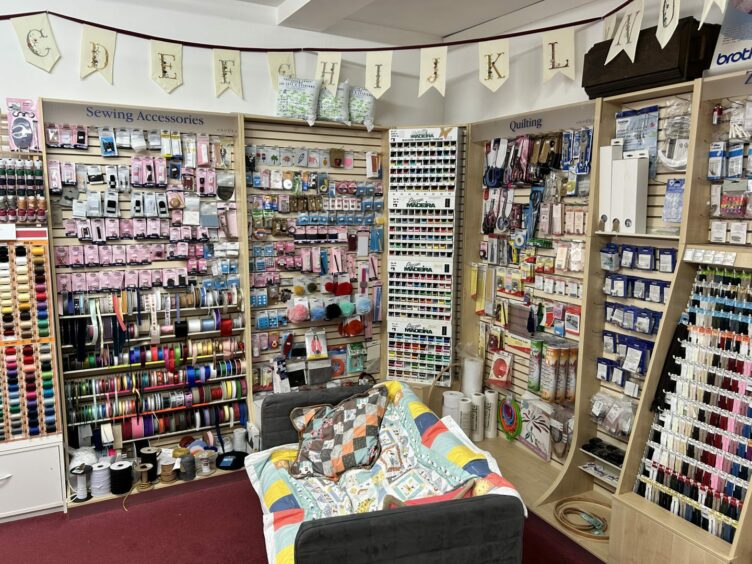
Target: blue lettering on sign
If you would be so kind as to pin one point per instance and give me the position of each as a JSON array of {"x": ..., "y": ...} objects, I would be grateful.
[
  {"x": 744, "y": 55},
  {"x": 129, "y": 117}
]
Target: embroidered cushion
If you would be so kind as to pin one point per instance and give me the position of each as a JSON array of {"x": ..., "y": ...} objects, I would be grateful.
[{"x": 336, "y": 439}]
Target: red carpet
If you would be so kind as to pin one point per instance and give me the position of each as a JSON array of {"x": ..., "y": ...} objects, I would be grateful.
[{"x": 211, "y": 521}]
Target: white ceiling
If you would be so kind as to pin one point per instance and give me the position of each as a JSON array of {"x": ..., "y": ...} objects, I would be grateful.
[
  {"x": 404, "y": 21},
  {"x": 436, "y": 17}
]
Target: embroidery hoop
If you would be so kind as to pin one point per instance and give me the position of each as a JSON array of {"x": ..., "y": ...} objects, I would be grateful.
[{"x": 511, "y": 418}]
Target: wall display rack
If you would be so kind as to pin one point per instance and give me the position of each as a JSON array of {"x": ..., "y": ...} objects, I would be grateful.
[
  {"x": 316, "y": 197},
  {"x": 149, "y": 275},
  {"x": 637, "y": 282},
  {"x": 425, "y": 175},
  {"x": 30, "y": 418},
  {"x": 636, "y": 279}
]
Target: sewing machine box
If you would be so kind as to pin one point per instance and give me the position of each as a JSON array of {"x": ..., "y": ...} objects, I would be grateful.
[{"x": 687, "y": 54}]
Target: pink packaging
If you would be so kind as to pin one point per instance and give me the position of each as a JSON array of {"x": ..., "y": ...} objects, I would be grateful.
[
  {"x": 24, "y": 132},
  {"x": 139, "y": 228},
  {"x": 131, "y": 279},
  {"x": 91, "y": 255},
  {"x": 63, "y": 283},
  {"x": 92, "y": 281},
  {"x": 112, "y": 228},
  {"x": 76, "y": 256},
  {"x": 160, "y": 163},
  {"x": 152, "y": 228},
  {"x": 105, "y": 255},
  {"x": 136, "y": 168},
  {"x": 62, "y": 256},
  {"x": 78, "y": 282},
  {"x": 118, "y": 254},
  {"x": 126, "y": 229},
  {"x": 144, "y": 278}
]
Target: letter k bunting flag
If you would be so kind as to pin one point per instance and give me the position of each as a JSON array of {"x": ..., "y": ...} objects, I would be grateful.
[{"x": 493, "y": 63}]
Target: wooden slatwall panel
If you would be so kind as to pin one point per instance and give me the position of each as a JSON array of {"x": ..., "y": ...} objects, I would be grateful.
[
  {"x": 358, "y": 140},
  {"x": 92, "y": 155},
  {"x": 521, "y": 367},
  {"x": 668, "y": 106},
  {"x": 664, "y": 233},
  {"x": 721, "y": 133}
]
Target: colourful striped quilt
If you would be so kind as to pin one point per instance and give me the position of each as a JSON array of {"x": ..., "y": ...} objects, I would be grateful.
[{"x": 421, "y": 456}]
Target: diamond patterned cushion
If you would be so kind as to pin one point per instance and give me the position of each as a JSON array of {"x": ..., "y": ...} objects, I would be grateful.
[{"x": 336, "y": 439}]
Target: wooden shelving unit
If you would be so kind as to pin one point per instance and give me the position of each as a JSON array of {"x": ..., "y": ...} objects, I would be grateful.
[{"x": 640, "y": 531}]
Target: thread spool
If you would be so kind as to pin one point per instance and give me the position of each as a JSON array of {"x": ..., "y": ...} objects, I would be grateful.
[
  {"x": 466, "y": 416},
  {"x": 478, "y": 427},
  {"x": 121, "y": 477},
  {"x": 149, "y": 455},
  {"x": 167, "y": 472},
  {"x": 187, "y": 467},
  {"x": 100, "y": 479},
  {"x": 472, "y": 376},
  {"x": 490, "y": 410},
  {"x": 451, "y": 405},
  {"x": 144, "y": 483},
  {"x": 205, "y": 463},
  {"x": 239, "y": 440},
  {"x": 80, "y": 476}
]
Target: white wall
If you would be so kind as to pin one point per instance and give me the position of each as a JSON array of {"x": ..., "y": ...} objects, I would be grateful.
[
  {"x": 190, "y": 20},
  {"x": 468, "y": 100}
]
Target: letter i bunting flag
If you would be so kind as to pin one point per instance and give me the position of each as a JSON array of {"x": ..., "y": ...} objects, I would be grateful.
[{"x": 734, "y": 47}]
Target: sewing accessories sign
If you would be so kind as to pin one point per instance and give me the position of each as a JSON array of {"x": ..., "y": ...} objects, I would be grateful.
[
  {"x": 627, "y": 32},
  {"x": 37, "y": 40},
  {"x": 378, "y": 72},
  {"x": 558, "y": 53},
  {"x": 493, "y": 63},
  {"x": 167, "y": 64},
  {"x": 227, "y": 71},
  {"x": 97, "y": 52},
  {"x": 280, "y": 64},
  {"x": 328, "y": 65},
  {"x": 668, "y": 19},
  {"x": 433, "y": 61}
]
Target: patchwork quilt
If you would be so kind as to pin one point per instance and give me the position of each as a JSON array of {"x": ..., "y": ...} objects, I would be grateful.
[{"x": 421, "y": 456}]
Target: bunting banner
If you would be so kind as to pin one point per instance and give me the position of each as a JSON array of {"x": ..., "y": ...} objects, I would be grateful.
[
  {"x": 378, "y": 72},
  {"x": 708, "y": 5},
  {"x": 280, "y": 64},
  {"x": 668, "y": 19},
  {"x": 167, "y": 64},
  {"x": 37, "y": 40},
  {"x": 328, "y": 65},
  {"x": 558, "y": 53},
  {"x": 558, "y": 50},
  {"x": 493, "y": 63},
  {"x": 98, "y": 52},
  {"x": 227, "y": 72},
  {"x": 627, "y": 32},
  {"x": 432, "y": 70},
  {"x": 609, "y": 26}
]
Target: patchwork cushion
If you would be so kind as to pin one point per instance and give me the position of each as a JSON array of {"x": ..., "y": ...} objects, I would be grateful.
[{"x": 336, "y": 439}]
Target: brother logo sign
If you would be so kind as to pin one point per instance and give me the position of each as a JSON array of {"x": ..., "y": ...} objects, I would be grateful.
[{"x": 744, "y": 55}]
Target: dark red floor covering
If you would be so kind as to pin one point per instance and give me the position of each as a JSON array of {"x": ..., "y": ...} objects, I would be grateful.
[{"x": 211, "y": 521}]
